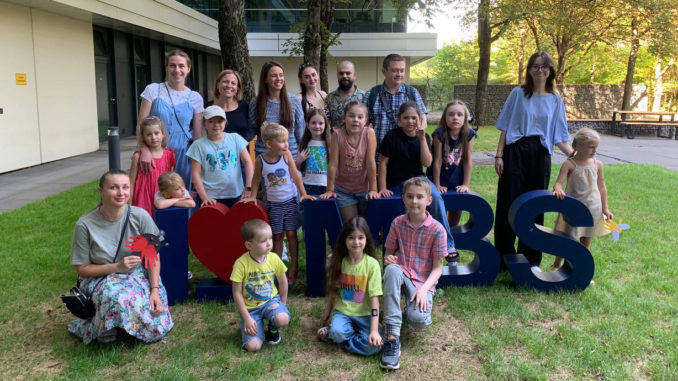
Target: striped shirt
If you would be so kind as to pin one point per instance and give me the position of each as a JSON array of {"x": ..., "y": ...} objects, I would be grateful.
[{"x": 417, "y": 247}]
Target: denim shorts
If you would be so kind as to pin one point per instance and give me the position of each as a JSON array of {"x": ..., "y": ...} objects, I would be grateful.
[
  {"x": 260, "y": 313},
  {"x": 346, "y": 199}
]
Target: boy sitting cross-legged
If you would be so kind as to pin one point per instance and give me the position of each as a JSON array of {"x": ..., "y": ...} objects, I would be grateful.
[
  {"x": 254, "y": 291},
  {"x": 415, "y": 246}
]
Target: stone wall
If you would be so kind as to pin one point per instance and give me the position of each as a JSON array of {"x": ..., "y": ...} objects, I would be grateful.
[{"x": 581, "y": 101}]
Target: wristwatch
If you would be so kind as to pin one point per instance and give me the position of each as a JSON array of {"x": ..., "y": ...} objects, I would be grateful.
[{"x": 375, "y": 312}]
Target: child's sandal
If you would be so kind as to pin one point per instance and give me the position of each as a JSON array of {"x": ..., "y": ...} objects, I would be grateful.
[{"x": 452, "y": 257}]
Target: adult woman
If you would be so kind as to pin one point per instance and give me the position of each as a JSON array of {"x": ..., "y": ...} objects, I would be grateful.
[
  {"x": 311, "y": 97},
  {"x": 274, "y": 104},
  {"x": 126, "y": 295},
  {"x": 177, "y": 106},
  {"x": 228, "y": 95},
  {"x": 531, "y": 122}
]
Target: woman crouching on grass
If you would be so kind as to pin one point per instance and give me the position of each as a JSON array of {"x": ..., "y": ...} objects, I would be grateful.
[{"x": 127, "y": 297}]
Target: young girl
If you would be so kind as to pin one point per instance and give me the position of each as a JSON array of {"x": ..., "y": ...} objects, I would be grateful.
[
  {"x": 312, "y": 159},
  {"x": 215, "y": 162},
  {"x": 144, "y": 185},
  {"x": 586, "y": 183},
  {"x": 452, "y": 154},
  {"x": 172, "y": 192},
  {"x": 402, "y": 154},
  {"x": 353, "y": 290},
  {"x": 352, "y": 171}
]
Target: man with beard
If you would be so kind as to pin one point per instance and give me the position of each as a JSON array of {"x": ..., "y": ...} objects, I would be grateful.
[{"x": 346, "y": 93}]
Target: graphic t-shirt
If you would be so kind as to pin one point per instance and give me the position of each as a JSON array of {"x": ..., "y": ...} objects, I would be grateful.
[
  {"x": 257, "y": 279},
  {"x": 220, "y": 164},
  {"x": 357, "y": 284},
  {"x": 315, "y": 172}
]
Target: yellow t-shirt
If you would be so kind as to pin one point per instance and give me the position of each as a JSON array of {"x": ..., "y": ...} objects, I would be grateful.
[
  {"x": 257, "y": 279},
  {"x": 357, "y": 284}
]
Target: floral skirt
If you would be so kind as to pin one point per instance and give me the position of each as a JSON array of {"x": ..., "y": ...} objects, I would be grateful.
[{"x": 122, "y": 300}]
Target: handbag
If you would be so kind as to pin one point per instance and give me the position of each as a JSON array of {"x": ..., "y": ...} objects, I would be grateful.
[{"x": 79, "y": 303}]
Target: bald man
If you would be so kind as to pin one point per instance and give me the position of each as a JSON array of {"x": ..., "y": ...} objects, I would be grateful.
[{"x": 345, "y": 93}]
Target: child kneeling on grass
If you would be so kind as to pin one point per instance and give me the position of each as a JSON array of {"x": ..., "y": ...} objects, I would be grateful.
[
  {"x": 254, "y": 291},
  {"x": 353, "y": 289},
  {"x": 415, "y": 247}
]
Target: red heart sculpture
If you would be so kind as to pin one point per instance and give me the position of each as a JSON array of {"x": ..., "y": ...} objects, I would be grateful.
[{"x": 214, "y": 234}]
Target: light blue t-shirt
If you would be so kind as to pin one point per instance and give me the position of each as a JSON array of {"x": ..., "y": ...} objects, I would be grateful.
[
  {"x": 541, "y": 115},
  {"x": 220, "y": 165}
]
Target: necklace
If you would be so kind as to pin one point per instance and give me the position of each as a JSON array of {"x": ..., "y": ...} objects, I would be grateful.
[{"x": 255, "y": 260}]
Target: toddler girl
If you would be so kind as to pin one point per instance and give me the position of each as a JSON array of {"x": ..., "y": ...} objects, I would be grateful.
[
  {"x": 312, "y": 158},
  {"x": 352, "y": 171},
  {"x": 452, "y": 156},
  {"x": 353, "y": 290},
  {"x": 586, "y": 183},
  {"x": 172, "y": 192},
  {"x": 144, "y": 185}
]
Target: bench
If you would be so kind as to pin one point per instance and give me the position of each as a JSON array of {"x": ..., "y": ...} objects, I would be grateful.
[{"x": 626, "y": 122}]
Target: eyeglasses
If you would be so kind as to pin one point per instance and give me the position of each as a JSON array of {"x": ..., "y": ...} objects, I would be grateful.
[{"x": 538, "y": 68}]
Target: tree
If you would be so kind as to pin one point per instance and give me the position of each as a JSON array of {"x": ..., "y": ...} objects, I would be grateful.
[
  {"x": 233, "y": 43},
  {"x": 493, "y": 20}
]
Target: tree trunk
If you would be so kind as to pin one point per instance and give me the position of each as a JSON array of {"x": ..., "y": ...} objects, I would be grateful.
[
  {"x": 521, "y": 59},
  {"x": 631, "y": 65},
  {"x": 484, "y": 46},
  {"x": 659, "y": 82},
  {"x": 312, "y": 37},
  {"x": 233, "y": 43},
  {"x": 326, "y": 18}
]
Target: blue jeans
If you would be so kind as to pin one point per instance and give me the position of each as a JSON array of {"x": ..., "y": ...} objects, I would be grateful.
[
  {"x": 437, "y": 209},
  {"x": 353, "y": 333},
  {"x": 260, "y": 313}
]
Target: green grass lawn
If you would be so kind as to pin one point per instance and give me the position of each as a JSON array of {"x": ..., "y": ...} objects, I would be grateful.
[
  {"x": 624, "y": 327},
  {"x": 486, "y": 140}
]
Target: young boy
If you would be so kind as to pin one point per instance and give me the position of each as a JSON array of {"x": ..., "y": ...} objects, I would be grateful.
[
  {"x": 415, "y": 247},
  {"x": 276, "y": 167},
  {"x": 254, "y": 291},
  {"x": 172, "y": 192},
  {"x": 215, "y": 162}
]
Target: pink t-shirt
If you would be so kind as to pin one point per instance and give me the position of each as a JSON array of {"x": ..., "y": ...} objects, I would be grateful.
[{"x": 352, "y": 168}]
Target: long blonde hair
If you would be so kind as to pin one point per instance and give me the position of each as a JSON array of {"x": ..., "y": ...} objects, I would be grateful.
[{"x": 583, "y": 136}]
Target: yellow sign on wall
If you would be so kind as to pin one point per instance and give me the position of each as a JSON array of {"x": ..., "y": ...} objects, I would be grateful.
[{"x": 20, "y": 78}]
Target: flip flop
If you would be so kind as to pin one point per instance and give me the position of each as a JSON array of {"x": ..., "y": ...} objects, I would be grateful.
[
  {"x": 452, "y": 256},
  {"x": 322, "y": 334}
]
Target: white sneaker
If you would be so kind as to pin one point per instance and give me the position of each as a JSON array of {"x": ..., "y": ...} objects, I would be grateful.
[{"x": 284, "y": 255}]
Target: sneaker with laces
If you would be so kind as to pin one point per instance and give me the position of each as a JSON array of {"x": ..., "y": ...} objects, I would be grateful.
[
  {"x": 390, "y": 356},
  {"x": 272, "y": 336}
]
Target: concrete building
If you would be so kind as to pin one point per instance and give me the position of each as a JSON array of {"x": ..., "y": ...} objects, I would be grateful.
[{"x": 72, "y": 68}]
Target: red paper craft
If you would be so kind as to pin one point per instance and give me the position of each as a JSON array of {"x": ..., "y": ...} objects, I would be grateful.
[
  {"x": 145, "y": 245},
  {"x": 214, "y": 235}
]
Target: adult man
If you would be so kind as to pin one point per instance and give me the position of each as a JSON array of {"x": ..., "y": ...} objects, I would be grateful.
[
  {"x": 346, "y": 92},
  {"x": 383, "y": 100}
]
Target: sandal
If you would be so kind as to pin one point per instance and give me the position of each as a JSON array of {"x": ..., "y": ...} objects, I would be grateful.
[
  {"x": 452, "y": 256},
  {"x": 108, "y": 336},
  {"x": 322, "y": 334}
]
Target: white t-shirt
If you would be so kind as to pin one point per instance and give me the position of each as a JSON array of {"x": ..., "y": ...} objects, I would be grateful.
[
  {"x": 315, "y": 172},
  {"x": 152, "y": 91}
]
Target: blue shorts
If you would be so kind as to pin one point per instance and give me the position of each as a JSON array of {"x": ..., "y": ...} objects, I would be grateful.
[
  {"x": 284, "y": 216},
  {"x": 260, "y": 313},
  {"x": 346, "y": 199}
]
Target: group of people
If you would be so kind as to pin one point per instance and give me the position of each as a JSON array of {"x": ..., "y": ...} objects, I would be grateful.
[{"x": 349, "y": 145}]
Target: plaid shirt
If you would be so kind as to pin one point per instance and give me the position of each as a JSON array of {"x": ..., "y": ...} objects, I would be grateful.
[
  {"x": 417, "y": 248},
  {"x": 336, "y": 106},
  {"x": 378, "y": 117}
]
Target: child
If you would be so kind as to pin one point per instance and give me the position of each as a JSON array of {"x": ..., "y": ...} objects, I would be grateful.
[
  {"x": 415, "y": 246},
  {"x": 312, "y": 157},
  {"x": 352, "y": 171},
  {"x": 452, "y": 157},
  {"x": 353, "y": 289},
  {"x": 254, "y": 291},
  {"x": 402, "y": 153},
  {"x": 172, "y": 192},
  {"x": 144, "y": 185},
  {"x": 280, "y": 176},
  {"x": 215, "y": 162},
  {"x": 586, "y": 183}
]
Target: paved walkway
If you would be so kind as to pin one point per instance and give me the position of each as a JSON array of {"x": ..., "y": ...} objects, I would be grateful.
[{"x": 21, "y": 187}]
